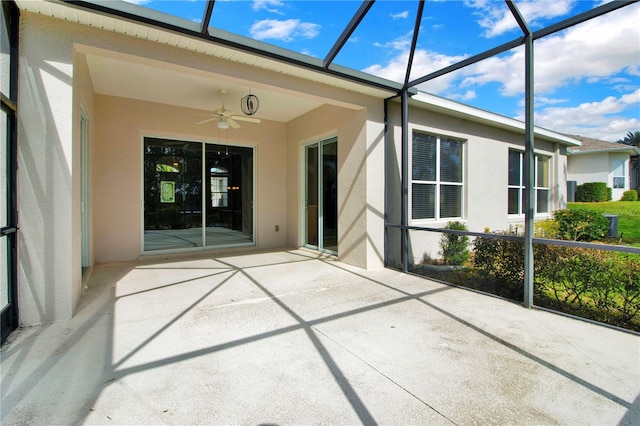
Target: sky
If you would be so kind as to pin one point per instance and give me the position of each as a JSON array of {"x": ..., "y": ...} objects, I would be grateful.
[{"x": 586, "y": 78}]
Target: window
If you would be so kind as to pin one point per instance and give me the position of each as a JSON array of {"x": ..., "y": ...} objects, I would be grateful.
[
  {"x": 517, "y": 182},
  {"x": 619, "y": 177},
  {"x": 436, "y": 181}
]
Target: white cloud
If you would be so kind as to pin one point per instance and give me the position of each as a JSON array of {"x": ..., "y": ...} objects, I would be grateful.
[
  {"x": 593, "y": 50},
  {"x": 268, "y": 5},
  {"x": 466, "y": 96},
  {"x": 400, "y": 15},
  {"x": 497, "y": 19},
  {"x": 424, "y": 62},
  {"x": 286, "y": 30},
  {"x": 137, "y": 1},
  {"x": 599, "y": 119}
]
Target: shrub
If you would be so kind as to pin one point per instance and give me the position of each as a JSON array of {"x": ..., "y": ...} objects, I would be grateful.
[
  {"x": 546, "y": 229},
  {"x": 595, "y": 284},
  {"x": 600, "y": 285},
  {"x": 503, "y": 260},
  {"x": 593, "y": 192},
  {"x": 630, "y": 195},
  {"x": 583, "y": 225},
  {"x": 455, "y": 248}
]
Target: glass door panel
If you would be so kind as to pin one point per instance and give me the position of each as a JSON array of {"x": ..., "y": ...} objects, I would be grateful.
[
  {"x": 321, "y": 195},
  {"x": 4, "y": 207},
  {"x": 311, "y": 202},
  {"x": 172, "y": 194},
  {"x": 229, "y": 195},
  {"x": 330, "y": 196}
]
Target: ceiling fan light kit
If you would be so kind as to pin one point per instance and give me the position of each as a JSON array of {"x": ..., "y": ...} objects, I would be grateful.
[{"x": 227, "y": 118}]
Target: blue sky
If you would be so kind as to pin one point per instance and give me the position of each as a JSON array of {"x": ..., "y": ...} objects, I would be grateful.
[{"x": 587, "y": 78}]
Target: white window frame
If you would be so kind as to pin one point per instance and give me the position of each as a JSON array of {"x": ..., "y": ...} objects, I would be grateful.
[
  {"x": 615, "y": 164},
  {"x": 521, "y": 185},
  {"x": 438, "y": 182}
]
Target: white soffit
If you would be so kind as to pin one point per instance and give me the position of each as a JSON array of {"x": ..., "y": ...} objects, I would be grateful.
[{"x": 136, "y": 29}]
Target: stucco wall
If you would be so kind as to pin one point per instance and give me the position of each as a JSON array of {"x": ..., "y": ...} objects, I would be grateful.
[
  {"x": 485, "y": 176},
  {"x": 598, "y": 167},
  {"x": 49, "y": 278},
  {"x": 360, "y": 161},
  {"x": 589, "y": 168},
  {"x": 118, "y": 169}
]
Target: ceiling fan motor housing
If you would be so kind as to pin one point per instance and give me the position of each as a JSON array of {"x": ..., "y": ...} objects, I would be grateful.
[{"x": 250, "y": 104}]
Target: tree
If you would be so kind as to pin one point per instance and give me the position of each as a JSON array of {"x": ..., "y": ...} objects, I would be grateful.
[{"x": 632, "y": 138}]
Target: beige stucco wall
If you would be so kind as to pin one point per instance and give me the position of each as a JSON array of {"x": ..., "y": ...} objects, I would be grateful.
[
  {"x": 485, "y": 176},
  {"x": 49, "y": 278},
  {"x": 360, "y": 178},
  {"x": 120, "y": 130}
]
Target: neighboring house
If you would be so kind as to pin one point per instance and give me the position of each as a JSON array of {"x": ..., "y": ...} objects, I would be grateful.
[
  {"x": 601, "y": 161},
  {"x": 114, "y": 165}
]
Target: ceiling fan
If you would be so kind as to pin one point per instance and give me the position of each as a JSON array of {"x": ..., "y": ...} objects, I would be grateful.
[{"x": 227, "y": 118}]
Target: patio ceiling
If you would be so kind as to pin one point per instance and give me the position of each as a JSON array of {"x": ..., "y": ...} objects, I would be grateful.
[{"x": 140, "y": 80}]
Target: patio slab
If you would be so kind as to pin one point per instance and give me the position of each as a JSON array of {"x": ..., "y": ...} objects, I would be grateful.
[{"x": 292, "y": 337}]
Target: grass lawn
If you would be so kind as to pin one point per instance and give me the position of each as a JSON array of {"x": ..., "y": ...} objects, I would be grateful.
[{"x": 628, "y": 217}]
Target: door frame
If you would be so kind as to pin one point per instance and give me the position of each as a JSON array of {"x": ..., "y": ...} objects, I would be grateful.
[
  {"x": 84, "y": 190},
  {"x": 303, "y": 195},
  {"x": 204, "y": 142}
]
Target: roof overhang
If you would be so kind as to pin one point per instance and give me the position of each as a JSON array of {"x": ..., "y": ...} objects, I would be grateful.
[
  {"x": 435, "y": 103},
  {"x": 624, "y": 149}
]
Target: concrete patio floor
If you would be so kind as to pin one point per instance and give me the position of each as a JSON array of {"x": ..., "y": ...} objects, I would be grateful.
[{"x": 290, "y": 337}]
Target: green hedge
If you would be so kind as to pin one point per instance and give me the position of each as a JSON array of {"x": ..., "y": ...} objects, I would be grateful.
[
  {"x": 593, "y": 192},
  {"x": 630, "y": 195},
  {"x": 595, "y": 284},
  {"x": 581, "y": 225}
]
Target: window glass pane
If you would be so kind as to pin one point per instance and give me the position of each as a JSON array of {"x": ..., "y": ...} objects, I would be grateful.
[
  {"x": 542, "y": 201},
  {"x": 542, "y": 180},
  {"x": 618, "y": 168},
  {"x": 424, "y": 157},
  {"x": 450, "y": 201},
  {"x": 423, "y": 201},
  {"x": 514, "y": 201},
  {"x": 5, "y": 52},
  {"x": 514, "y": 168},
  {"x": 618, "y": 182},
  {"x": 450, "y": 160}
]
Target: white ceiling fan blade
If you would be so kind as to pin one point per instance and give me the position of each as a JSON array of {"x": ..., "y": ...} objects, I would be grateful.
[
  {"x": 247, "y": 119},
  {"x": 232, "y": 123},
  {"x": 224, "y": 112},
  {"x": 207, "y": 120}
]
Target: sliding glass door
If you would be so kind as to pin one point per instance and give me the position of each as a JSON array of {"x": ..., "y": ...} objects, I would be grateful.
[
  {"x": 196, "y": 195},
  {"x": 321, "y": 195}
]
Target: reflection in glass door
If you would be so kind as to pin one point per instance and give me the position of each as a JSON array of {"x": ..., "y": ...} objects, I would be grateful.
[
  {"x": 321, "y": 195},
  {"x": 172, "y": 194},
  {"x": 184, "y": 179},
  {"x": 229, "y": 201}
]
